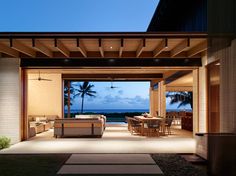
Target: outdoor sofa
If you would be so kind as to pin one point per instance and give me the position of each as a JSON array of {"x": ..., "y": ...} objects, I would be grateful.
[
  {"x": 40, "y": 123},
  {"x": 92, "y": 116},
  {"x": 79, "y": 127}
]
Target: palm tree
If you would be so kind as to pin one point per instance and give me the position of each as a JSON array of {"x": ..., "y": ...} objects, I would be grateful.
[
  {"x": 183, "y": 98},
  {"x": 85, "y": 90},
  {"x": 69, "y": 91}
]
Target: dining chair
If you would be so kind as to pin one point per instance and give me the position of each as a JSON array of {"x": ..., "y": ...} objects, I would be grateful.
[
  {"x": 153, "y": 127},
  {"x": 135, "y": 126},
  {"x": 168, "y": 123},
  {"x": 128, "y": 119}
]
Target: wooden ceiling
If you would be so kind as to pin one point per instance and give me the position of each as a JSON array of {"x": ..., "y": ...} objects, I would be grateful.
[{"x": 103, "y": 45}]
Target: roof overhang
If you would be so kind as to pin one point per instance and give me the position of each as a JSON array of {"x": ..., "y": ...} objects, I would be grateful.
[{"x": 102, "y": 45}]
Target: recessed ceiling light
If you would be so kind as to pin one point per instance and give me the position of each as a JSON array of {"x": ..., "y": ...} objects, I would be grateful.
[
  {"x": 111, "y": 60},
  {"x": 111, "y": 47}
]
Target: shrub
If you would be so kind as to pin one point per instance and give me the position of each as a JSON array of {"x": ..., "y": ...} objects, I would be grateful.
[{"x": 4, "y": 142}]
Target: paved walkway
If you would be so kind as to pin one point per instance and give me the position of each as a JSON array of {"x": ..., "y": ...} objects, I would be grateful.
[
  {"x": 116, "y": 139},
  {"x": 141, "y": 164}
]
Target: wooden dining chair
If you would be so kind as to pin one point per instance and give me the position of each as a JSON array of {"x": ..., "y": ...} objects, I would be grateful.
[
  {"x": 153, "y": 127},
  {"x": 135, "y": 126},
  {"x": 168, "y": 123},
  {"x": 128, "y": 119}
]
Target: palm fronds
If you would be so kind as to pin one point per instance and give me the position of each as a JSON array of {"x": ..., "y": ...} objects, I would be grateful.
[
  {"x": 85, "y": 89},
  {"x": 183, "y": 98}
]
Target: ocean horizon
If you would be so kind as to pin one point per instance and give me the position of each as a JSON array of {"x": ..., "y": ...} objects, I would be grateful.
[{"x": 121, "y": 110}]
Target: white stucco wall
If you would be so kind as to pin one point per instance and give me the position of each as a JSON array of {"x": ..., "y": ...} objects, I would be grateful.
[{"x": 45, "y": 97}]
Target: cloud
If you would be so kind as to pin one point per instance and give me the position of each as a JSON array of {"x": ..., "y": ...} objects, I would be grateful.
[
  {"x": 112, "y": 99},
  {"x": 137, "y": 100},
  {"x": 120, "y": 92}
]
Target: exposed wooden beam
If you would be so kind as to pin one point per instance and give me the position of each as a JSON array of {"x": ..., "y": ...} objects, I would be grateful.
[
  {"x": 41, "y": 48},
  {"x": 197, "y": 49},
  {"x": 141, "y": 47},
  {"x": 9, "y": 51},
  {"x": 81, "y": 48},
  {"x": 22, "y": 48},
  {"x": 142, "y": 76},
  {"x": 100, "y": 47},
  {"x": 113, "y": 62},
  {"x": 180, "y": 47},
  {"x": 61, "y": 47},
  {"x": 121, "y": 47},
  {"x": 179, "y": 88},
  {"x": 168, "y": 73},
  {"x": 176, "y": 76},
  {"x": 161, "y": 47}
]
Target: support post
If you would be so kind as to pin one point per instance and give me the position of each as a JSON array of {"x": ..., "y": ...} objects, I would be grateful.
[
  {"x": 162, "y": 99},
  {"x": 68, "y": 102},
  {"x": 153, "y": 101},
  {"x": 195, "y": 101}
]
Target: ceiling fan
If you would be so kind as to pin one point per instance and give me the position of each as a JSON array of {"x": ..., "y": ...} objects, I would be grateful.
[
  {"x": 39, "y": 78},
  {"x": 112, "y": 86}
]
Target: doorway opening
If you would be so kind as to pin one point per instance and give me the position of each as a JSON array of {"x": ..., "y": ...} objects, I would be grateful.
[{"x": 113, "y": 99}]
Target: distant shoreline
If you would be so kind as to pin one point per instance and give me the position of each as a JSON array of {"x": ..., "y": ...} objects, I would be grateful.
[
  {"x": 116, "y": 115},
  {"x": 122, "y": 110}
]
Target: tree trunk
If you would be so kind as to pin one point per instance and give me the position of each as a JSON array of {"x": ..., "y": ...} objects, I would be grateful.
[
  {"x": 82, "y": 105},
  {"x": 68, "y": 101},
  {"x": 191, "y": 100}
]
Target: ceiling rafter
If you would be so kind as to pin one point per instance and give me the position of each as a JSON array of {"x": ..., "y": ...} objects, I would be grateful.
[
  {"x": 141, "y": 47},
  {"x": 22, "y": 48},
  {"x": 180, "y": 47},
  {"x": 197, "y": 49},
  {"x": 100, "y": 47},
  {"x": 61, "y": 47},
  {"x": 81, "y": 47},
  {"x": 9, "y": 51},
  {"x": 161, "y": 47},
  {"x": 41, "y": 48},
  {"x": 121, "y": 47}
]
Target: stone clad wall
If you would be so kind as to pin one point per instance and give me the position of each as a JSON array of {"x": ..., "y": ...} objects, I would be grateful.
[{"x": 10, "y": 99}]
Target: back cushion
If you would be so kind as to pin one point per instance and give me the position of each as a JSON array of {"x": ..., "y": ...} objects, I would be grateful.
[{"x": 41, "y": 119}]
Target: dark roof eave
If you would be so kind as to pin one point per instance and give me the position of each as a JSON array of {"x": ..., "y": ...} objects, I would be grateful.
[{"x": 102, "y": 34}]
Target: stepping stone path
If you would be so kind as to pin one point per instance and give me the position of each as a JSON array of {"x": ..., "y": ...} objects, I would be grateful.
[{"x": 128, "y": 164}]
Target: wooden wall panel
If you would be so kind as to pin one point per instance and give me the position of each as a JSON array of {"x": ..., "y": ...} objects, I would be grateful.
[
  {"x": 228, "y": 88},
  {"x": 213, "y": 98}
]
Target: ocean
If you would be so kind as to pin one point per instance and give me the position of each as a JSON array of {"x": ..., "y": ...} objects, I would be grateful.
[
  {"x": 122, "y": 110},
  {"x": 108, "y": 110},
  {"x": 117, "y": 115}
]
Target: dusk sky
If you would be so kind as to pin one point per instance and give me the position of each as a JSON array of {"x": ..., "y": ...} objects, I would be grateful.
[
  {"x": 76, "y": 15},
  {"x": 127, "y": 95},
  {"x": 87, "y": 16}
]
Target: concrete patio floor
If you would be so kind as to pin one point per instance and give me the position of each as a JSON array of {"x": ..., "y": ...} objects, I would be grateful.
[{"x": 116, "y": 139}]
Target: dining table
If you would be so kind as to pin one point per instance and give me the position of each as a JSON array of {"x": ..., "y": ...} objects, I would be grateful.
[{"x": 144, "y": 120}]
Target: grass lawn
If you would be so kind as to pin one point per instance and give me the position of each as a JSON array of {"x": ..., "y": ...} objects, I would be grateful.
[
  {"x": 175, "y": 165},
  {"x": 31, "y": 165}
]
